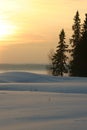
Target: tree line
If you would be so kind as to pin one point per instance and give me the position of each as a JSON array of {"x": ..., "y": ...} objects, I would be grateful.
[{"x": 76, "y": 63}]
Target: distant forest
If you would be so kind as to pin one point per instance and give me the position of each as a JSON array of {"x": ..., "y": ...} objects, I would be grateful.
[{"x": 71, "y": 58}]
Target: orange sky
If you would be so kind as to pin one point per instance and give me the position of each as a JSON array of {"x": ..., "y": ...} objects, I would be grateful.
[{"x": 31, "y": 27}]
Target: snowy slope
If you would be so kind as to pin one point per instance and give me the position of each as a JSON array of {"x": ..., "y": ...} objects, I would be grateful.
[
  {"x": 34, "y": 78},
  {"x": 23, "y": 81}
]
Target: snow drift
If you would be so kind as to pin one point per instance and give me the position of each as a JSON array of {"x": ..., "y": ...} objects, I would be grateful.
[
  {"x": 24, "y": 81},
  {"x": 26, "y": 77}
]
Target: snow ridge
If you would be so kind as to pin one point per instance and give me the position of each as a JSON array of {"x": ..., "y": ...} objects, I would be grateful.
[{"x": 24, "y": 81}]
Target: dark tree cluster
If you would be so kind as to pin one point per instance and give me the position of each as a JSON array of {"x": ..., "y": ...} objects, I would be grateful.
[{"x": 78, "y": 63}]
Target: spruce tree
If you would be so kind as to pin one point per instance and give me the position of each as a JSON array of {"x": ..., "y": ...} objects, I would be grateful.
[
  {"x": 75, "y": 43},
  {"x": 59, "y": 66},
  {"x": 81, "y": 58}
]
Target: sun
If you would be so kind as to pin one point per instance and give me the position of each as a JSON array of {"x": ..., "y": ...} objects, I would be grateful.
[{"x": 6, "y": 29}]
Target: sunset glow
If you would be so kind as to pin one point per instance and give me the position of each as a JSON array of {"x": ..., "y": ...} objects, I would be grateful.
[
  {"x": 35, "y": 24},
  {"x": 6, "y": 29}
]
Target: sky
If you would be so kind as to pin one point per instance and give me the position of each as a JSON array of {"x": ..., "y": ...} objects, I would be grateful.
[{"x": 29, "y": 29}]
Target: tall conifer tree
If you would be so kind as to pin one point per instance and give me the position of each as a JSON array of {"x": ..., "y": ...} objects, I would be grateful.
[
  {"x": 75, "y": 43},
  {"x": 59, "y": 58},
  {"x": 81, "y": 58}
]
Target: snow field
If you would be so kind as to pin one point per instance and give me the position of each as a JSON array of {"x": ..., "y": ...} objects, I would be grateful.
[{"x": 38, "y": 102}]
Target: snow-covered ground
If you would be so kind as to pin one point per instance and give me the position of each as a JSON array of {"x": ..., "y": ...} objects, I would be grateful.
[{"x": 39, "y": 102}]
